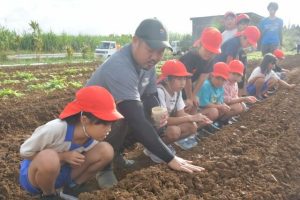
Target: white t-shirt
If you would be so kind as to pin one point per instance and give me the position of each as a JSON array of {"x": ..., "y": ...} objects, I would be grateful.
[
  {"x": 168, "y": 101},
  {"x": 228, "y": 34},
  {"x": 257, "y": 72},
  {"x": 53, "y": 135}
]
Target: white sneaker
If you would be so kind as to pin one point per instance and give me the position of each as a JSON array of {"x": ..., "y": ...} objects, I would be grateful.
[{"x": 187, "y": 143}]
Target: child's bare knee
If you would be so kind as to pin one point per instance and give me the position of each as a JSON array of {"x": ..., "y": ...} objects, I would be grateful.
[
  {"x": 259, "y": 81},
  {"x": 237, "y": 108},
  {"x": 105, "y": 151},
  {"x": 213, "y": 114},
  {"x": 48, "y": 161},
  {"x": 173, "y": 133}
]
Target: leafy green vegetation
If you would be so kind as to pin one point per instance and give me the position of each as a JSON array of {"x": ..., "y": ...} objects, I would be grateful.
[
  {"x": 6, "y": 92},
  {"x": 25, "y": 76},
  {"x": 10, "y": 81}
]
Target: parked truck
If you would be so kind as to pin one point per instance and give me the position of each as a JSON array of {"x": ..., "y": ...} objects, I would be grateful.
[{"x": 106, "y": 49}]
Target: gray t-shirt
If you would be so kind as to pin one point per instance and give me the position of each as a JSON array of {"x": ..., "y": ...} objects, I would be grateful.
[{"x": 119, "y": 74}]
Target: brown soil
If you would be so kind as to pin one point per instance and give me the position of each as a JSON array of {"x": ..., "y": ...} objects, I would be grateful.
[{"x": 257, "y": 158}]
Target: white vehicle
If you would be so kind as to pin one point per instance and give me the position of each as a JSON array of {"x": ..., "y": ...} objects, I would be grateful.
[
  {"x": 106, "y": 49},
  {"x": 176, "y": 47}
]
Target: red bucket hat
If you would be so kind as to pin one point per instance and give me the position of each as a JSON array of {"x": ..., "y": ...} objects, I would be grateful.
[
  {"x": 211, "y": 39},
  {"x": 279, "y": 54},
  {"x": 252, "y": 34},
  {"x": 236, "y": 66},
  {"x": 221, "y": 69},
  {"x": 241, "y": 17},
  {"x": 173, "y": 68},
  {"x": 95, "y": 100}
]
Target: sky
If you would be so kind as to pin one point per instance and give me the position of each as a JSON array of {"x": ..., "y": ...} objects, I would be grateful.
[{"x": 103, "y": 17}]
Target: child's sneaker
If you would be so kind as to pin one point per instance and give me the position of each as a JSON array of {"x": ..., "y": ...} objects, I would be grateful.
[
  {"x": 212, "y": 128},
  {"x": 50, "y": 197},
  {"x": 187, "y": 143},
  {"x": 201, "y": 133},
  {"x": 106, "y": 178},
  {"x": 235, "y": 119},
  {"x": 71, "y": 193}
]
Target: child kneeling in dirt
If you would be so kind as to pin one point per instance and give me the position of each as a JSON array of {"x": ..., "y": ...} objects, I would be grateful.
[
  {"x": 68, "y": 151},
  {"x": 211, "y": 95},
  {"x": 264, "y": 78},
  {"x": 231, "y": 98},
  {"x": 181, "y": 127}
]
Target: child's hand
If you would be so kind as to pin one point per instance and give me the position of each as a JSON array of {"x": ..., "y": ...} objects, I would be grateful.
[
  {"x": 291, "y": 86},
  {"x": 250, "y": 99},
  {"x": 74, "y": 158},
  {"x": 188, "y": 105},
  {"x": 200, "y": 118},
  {"x": 225, "y": 107}
]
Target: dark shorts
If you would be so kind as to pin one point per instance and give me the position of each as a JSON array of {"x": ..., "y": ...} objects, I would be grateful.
[
  {"x": 63, "y": 178},
  {"x": 251, "y": 89}
]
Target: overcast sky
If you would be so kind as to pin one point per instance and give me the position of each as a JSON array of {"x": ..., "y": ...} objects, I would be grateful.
[{"x": 122, "y": 17}]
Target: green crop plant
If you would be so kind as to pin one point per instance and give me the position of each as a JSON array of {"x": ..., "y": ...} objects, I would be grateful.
[
  {"x": 6, "y": 92},
  {"x": 75, "y": 84},
  {"x": 3, "y": 74},
  {"x": 71, "y": 71},
  {"x": 25, "y": 76},
  {"x": 53, "y": 84},
  {"x": 10, "y": 82}
]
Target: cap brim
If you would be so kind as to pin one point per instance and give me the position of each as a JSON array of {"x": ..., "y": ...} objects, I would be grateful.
[
  {"x": 253, "y": 43},
  {"x": 237, "y": 72},
  {"x": 156, "y": 44},
  {"x": 220, "y": 75},
  {"x": 113, "y": 116},
  {"x": 161, "y": 78},
  {"x": 184, "y": 74},
  {"x": 213, "y": 50},
  {"x": 71, "y": 109}
]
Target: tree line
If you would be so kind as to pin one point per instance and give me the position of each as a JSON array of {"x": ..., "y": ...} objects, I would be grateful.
[{"x": 48, "y": 42}]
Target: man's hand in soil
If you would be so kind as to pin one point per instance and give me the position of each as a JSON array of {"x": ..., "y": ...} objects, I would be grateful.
[{"x": 180, "y": 164}]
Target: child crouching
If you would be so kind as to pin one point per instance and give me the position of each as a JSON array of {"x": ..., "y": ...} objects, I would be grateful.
[
  {"x": 68, "y": 151},
  {"x": 231, "y": 98}
]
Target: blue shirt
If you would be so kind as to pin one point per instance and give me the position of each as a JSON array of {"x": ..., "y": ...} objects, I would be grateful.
[
  {"x": 210, "y": 94},
  {"x": 271, "y": 31}
]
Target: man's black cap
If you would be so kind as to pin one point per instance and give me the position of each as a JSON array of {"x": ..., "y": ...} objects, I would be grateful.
[{"x": 153, "y": 32}]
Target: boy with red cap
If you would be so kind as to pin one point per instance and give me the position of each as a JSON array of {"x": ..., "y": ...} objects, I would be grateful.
[
  {"x": 231, "y": 98},
  {"x": 198, "y": 62},
  {"x": 211, "y": 95},
  {"x": 68, "y": 151},
  {"x": 229, "y": 25},
  {"x": 242, "y": 21},
  {"x": 243, "y": 39},
  {"x": 180, "y": 125},
  {"x": 279, "y": 54}
]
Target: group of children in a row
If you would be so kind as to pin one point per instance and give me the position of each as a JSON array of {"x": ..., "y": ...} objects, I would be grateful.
[{"x": 219, "y": 102}]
